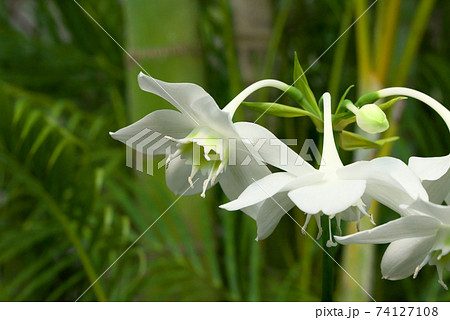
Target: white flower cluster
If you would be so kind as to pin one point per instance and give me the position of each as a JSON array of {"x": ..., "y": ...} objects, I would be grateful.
[{"x": 415, "y": 191}]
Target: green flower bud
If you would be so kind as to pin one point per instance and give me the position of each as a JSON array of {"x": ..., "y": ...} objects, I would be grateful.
[
  {"x": 369, "y": 117},
  {"x": 372, "y": 119}
]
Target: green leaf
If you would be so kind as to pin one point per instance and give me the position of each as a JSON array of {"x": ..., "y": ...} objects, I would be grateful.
[
  {"x": 351, "y": 141},
  {"x": 301, "y": 83},
  {"x": 390, "y": 103},
  {"x": 19, "y": 110},
  {"x": 342, "y": 99},
  {"x": 31, "y": 119},
  {"x": 343, "y": 120},
  {"x": 56, "y": 153},
  {"x": 344, "y": 117},
  {"x": 40, "y": 140},
  {"x": 367, "y": 98},
  {"x": 279, "y": 110}
]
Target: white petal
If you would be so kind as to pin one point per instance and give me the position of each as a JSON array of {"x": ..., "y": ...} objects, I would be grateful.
[
  {"x": 272, "y": 150},
  {"x": 270, "y": 213},
  {"x": 404, "y": 227},
  {"x": 177, "y": 174},
  {"x": 389, "y": 181},
  {"x": 260, "y": 190},
  {"x": 190, "y": 99},
  {"x": 183, "y": 96},
  {"x": 438, "y": 190},
  {"x": 440, "y": 212},
  {"x": 152, "y": 129},
  {"x": 402, "y": 257},
  {"x": 237, "y": 178},
  {"x": 429, "y": 168},
  {"x": 306, "y": 180},
  {"x": 330, "y": 156},
  {"x": 329, "y": 197}
]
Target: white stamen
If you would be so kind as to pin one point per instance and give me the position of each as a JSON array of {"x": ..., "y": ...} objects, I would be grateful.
[
  {"x": 308, "y": 217},
  {"x": 319, "y": 225},
  {"x": 206, "y": 153},
  {"x": 215, "y": 174},
  {"x": 221, "y": 167},
  {"x": 172, "y": 138},
  {"x": 416, "y": 272},
  {"x": 440, "y": 270},
  {"x": 330, "y": 242},
  {"x": 338, "y": 224},
  {"x": 441, "y": 282},
  {"x": 207, "y": 180},
  {"x": 175, "y": 154}
]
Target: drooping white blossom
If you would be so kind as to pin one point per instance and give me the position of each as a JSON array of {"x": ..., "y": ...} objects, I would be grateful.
[
  {"x": 333, "y": 189},
  {"x": 202, "y": 144},
  {"x": 419, "y": 237}
]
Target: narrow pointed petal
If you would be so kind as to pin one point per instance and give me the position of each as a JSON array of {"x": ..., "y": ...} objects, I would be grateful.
[
  {"x": 153, "y": 128},
  {"x": 237, "y": 178},
  {"x": 190, "y": 99},
  {"x": 330, "y": 155},
  {"x": 272, "y": 150},
  {"x": 438, "y": 190},
  {"x": 270, "y": 213},
  {"x": 402, "y": 257},
  {"x": 389, "y": 181},
  {"x": 440, "y": 212},
  {"x": 329, "y": 197},
  {"x": 183, "y": 96},
  {"x": 177, "y": 178},
  {"x": 260, "y": 190},
  {"x": 430, "y": 168},
  {"x": 405, "y": 227}
]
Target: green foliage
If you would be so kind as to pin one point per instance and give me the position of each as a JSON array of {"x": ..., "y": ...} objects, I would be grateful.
[
  {"x": 301, "y": 83},
  {"x": 279, "y": 110},
  {"x": 350, "y": 141}
]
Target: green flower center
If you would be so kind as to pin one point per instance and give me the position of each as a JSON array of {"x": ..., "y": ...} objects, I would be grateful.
[{"x": 206, "y": 151}]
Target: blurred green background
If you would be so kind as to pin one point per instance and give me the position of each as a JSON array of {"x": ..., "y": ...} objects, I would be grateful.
[{"x": 69, "y": 206}]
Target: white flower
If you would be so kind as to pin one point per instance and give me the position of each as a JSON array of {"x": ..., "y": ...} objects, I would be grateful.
[
  {"x": 334, "y": 189},
  {"x": 201, "y": 140},
  {"x": 421, "y": 236}
]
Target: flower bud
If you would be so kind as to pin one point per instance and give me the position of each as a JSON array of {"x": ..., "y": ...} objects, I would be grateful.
[{"x": 372, "y": 119}]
